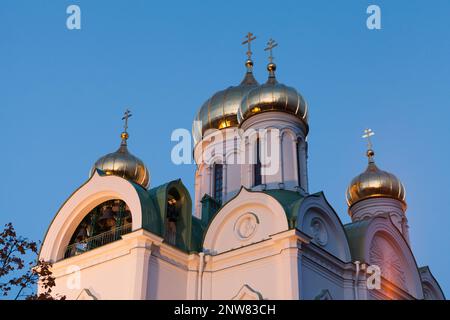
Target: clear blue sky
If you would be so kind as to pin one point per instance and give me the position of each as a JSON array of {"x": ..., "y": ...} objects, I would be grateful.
[{"x": 62, "y": 94}]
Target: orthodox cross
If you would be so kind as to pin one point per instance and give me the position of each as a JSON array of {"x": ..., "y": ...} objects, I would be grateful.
[
  {"x": 125, "y": 117},
  {"x": 270, "y": 45},
  {"x": 249, "y": 38},
  {"x": 367, "y": 134}
]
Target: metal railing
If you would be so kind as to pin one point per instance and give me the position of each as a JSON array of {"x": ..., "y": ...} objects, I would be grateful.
[{"x": 96, "y": 241}]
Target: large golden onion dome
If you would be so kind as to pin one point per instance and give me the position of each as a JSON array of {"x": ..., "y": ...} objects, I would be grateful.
[
  {"x": 219, "y": 111},
  {"x": 375, "y": 183},
  {"x": 273, "y": 96},
  {"x": 123, "y": 164}
]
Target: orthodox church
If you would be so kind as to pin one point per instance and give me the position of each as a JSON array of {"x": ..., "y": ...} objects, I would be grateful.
[{"x": 249, "y": 232}]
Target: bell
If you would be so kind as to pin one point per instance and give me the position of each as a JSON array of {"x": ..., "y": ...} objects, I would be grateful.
[
  {"x": 107, "y": 219},
  {"x": 128, "y": 219},
  {"x": 81, "y": 235}
]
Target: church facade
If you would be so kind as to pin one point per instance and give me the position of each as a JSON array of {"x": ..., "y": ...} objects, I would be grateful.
[{"x": 254, "y": 229}]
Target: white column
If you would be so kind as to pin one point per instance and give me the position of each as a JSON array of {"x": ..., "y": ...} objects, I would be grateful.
[
  {"x": 225, "y": 181},
  {"x": 303, "y": 154},
  {"x": 262, "y": 144},
  {"x": 281, "y": 160},
  {"x": 297, "y": 162},
  {"x": 210, "y": 178},
  {"x": 198, "y": 193},
  {"x": 247, "y": 174},
  {"x": 141, "y": 257}
]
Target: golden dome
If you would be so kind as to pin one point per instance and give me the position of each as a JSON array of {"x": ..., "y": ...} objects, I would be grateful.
[
  {"x": 123, "y": 164},
  {"x": 273, "y": 96},
  {"x": 375, "y": 183},
  {"x": 219, "y": 111}
]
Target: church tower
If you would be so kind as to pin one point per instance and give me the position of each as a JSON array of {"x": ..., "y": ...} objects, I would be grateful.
[
  {"x": 376, "y": 192},
  {"x": 250, "y": 135},
  {"x": 217, "y": 141},
  {"x": 274, "y": 118}
]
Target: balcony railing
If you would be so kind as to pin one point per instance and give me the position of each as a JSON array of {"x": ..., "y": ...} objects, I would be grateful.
[{"x": 96, "y": 241}]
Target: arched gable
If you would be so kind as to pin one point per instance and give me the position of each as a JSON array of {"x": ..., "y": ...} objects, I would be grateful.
[
  {"x": 248, "y": 218},
  {"x": 98, "y": 189},
  {"x": 378, "y": 242},
  {"x": 317, "y": 218},
  {"x": 431, "y": 288}
]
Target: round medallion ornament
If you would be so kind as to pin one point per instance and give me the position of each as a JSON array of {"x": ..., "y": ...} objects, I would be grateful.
[
  {"x": 319, "y": 231},
  {"x": 245, "y": 226}
]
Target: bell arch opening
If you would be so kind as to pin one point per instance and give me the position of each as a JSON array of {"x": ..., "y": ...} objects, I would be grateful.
[
  {"x": 173, "y": 215},
  {"x": 104, "y": 224}
]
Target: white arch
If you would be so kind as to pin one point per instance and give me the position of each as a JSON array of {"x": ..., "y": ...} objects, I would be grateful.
[
  {"x": 220, "y": 235},
  {"x": 232, "y": 153},
  {"x": 289, "y": 132},
  {"x": 95, "y": 191}
]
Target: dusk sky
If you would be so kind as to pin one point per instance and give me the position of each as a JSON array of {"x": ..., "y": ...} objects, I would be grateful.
[{"x": 63, "y": 93}]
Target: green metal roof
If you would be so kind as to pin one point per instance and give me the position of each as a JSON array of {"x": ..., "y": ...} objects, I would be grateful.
[
  {"x": 151, "y": 219},
  {"x": 198, "y": 229},
  {"x": 289, "y": 200},
  {"x": 356, "y": 235}
]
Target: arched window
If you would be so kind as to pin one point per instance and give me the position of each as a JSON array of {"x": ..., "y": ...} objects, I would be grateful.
[
  {"x": 104, "y": 224},
  {"x": 172, "y": 216},
  {"x": 257, "y": 179},
  {"x": 218, "y": 182}
]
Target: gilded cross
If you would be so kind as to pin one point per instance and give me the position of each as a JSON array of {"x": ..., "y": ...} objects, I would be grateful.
[
  {"x": 367, "y": 134},
  {"x": 249, "y": 38},
  {"x": 125, "y": 117},
  {"x": 270, "y": 45}
]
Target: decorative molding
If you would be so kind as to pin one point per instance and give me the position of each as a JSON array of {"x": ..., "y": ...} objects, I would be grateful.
[
  {"x": 427, "y": 295},
  {"x": 431, "y": 288},
  {"x": 332, "y": 234},
  {"x": 387, "y": 259},
  {"x": 247, "y": 293},
  {"x": 245, "y": 226},
  {"x": 319, "y": 231},
  {"x": 324, "y": 295},
  {"x": 85, "y": 294},
  {"x": 323, "y": 264}
]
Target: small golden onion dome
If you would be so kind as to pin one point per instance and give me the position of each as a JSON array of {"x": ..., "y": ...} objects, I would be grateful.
[
  {"x": 273, "y": 96},
  {"x": 123, "y": 164},
  {"x": 219, "y": 111},
  {"x": 375, "y": 183}
]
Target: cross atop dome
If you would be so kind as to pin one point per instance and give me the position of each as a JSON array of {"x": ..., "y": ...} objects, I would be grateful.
[
  {"x": 367, "y": 134},
  {"x": 127, "y": 114},
  {"x": 271, "y": 67},
  {"x": 270, "y": 45},
  {"x": 249, "y": 63},
  {"x": 250, "y": 37}
]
